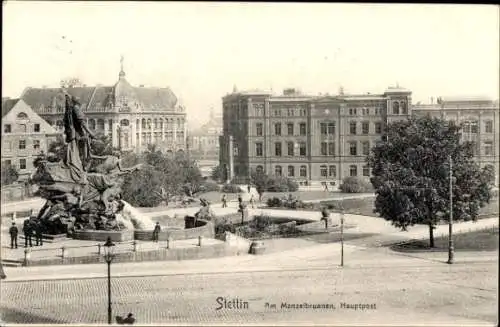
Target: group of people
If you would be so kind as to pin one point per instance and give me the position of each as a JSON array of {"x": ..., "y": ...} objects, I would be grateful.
[
  {"x": 240, "y": 199},
  {"x": 32, "y": 227}
]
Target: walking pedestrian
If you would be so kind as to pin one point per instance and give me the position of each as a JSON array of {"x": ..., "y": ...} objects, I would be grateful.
[
  {"x": 240, "y": 199},
  {"x": 249, "y": 188},
  {"x": 156, "y": 232},
  {"x": 224, "y": 201},
  {"x": 13, "y": 231},
  {"x": 39, "y": 233},
  {"x": 252, "y": 201},
  {"x": 28, "y": 232}
]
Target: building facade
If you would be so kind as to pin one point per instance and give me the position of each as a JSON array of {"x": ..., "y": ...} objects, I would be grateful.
[
  {"x": 204, "y": 141},
  {"x": 312, "y": 139},
  {"x": 25, "y": 135},
  {"x": 132, "y": 116}
]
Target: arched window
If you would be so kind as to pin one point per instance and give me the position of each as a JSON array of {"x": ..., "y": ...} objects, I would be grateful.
[
  {"x": 161, "y": 123},
  {"x": 149, "y": 124},
  {"x": 137, "y": 124},
  {"x": 303, "y": 171},
  {"x": 291, "y": 171},
  {"x": 124, "y": 122},
  {"x": 323, "y": 170},
  {"x": 22, "y": 128},
  {"x": 143, "y": 125},
  {"x": 100, "y": 124},
  {"x": 395, "y": 108},
  {"x": 22, "y": 115},
  {"x": 259, "y": 169},
  {"x": 156, "y": 123},
  {"x": 92, "y": 124},
  {"x": 278, "y": 171}
]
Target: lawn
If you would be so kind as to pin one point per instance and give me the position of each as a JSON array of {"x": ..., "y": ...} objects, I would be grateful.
[{"x": 482, "y": 240}]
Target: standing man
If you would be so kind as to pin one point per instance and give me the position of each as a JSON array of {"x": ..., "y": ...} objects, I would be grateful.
[
  {"x": 224, "y": 201},
  {"x": 156, "y": 232},
  {"x": 240, "y": 199},
  {"x": 38, "y": 232},
  {"x": 252, "y": 201},
  {"x": 13, "y": 231},
  {"x": 28, "y": 232}
]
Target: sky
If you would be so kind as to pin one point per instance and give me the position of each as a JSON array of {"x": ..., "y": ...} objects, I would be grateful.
[{"x": 201, "y": 49}]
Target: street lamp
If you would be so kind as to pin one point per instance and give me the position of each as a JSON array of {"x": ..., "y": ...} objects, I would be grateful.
[
  {"x": 109, "y": 249},
  {"x": 342, "y": 237},
  {"x": 450, "y": 222}
]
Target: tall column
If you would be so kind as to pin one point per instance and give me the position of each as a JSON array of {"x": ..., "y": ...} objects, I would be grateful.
[
  {"x": 114, "y": 136},
  {"x": 231, "y": 158},
  {"x": 139, "y": 145},
  {"x": 106, "y": 127},
  {"x": 133, "y": 132},
  {"x": 164, "y": 122}
]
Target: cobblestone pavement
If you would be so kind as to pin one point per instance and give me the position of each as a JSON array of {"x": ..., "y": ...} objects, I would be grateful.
[{"x": 434, "y": 295}]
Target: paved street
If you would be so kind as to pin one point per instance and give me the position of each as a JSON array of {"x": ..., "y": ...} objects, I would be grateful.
[{"x": 432, "y": 294}]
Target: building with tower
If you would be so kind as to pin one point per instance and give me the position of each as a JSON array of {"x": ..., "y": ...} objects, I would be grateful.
[
  {"x": 323, "y": 139},
  {"x": 132, "y": 116}
]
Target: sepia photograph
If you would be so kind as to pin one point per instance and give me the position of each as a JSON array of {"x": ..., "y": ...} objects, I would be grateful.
[{"x": 249, "y": 163}]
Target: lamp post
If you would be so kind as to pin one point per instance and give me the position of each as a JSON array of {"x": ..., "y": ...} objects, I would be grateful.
[
  {"x": 109, "y": 248},
  {"x": 342, "y": 237},
  {"x": 450, "y": 222}
]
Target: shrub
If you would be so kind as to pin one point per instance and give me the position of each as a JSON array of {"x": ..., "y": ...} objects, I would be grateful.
[
  {"x": 231, "y": 188},
  {"x": 293, "y": 186},
  {"x": 355, "y": 185},
  {"x": 274, "y": 202},
  {"x": 210, "y": 186}
]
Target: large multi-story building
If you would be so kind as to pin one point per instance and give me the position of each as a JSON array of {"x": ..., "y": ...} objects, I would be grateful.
[
  {"x": 313, "y": 139},
  {"x": 24, "y": 136},
  {"x": 132, "y": 116}
]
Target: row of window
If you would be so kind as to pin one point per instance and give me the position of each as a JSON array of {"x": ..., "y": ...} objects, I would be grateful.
[
  {"x": 472, "y": 127},
  {"x": 325, "y": 171},
  {"x": 22, "y": 128},
  {"x": 364, "y": 111},
  {"x": 330, "y": 127},
  {"x": 21, "y": 145},
  {"x": 22, "y": 163},
  {"x": 290, "y": 127},
  {"x": 326, "y": 149}
]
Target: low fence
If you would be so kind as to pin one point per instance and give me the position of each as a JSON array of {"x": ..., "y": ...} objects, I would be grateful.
[
  {"x": 129, "y": 252},
  {"x": 103, "y": 235},
  {"x": 204, "y": 229}
]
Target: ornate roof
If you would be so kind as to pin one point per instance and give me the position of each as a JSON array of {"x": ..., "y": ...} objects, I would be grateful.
[{"x": 7, "y": 105}]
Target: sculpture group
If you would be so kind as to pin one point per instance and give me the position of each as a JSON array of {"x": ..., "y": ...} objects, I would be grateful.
[{"x": 83, "y": 191}]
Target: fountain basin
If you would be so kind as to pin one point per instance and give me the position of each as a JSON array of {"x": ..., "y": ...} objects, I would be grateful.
[
  {"x": 102, "y": 235},
  {"x": 203, "y": 228}
]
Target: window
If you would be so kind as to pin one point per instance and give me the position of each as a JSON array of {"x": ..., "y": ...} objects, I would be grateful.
[
  {"x": 366, "y": 148},
  {"x": 7, "y": 145},
  {"x": 259, "y": 129},
  {"x": 323, "y": 170},
  {"x": 259, "y": 169},
  {"x": 488, "y": 126},
  {"x": 277, "y": 129},
  {"x": 22, "y": 115},
  {"x": 277, "y": 149},
  {"x": 377, "y": 111},
  {"x": 366, "y": 127},
  {"x": 36, "y": 144},
  {"x": 353, "y": 171},
  {"x": 7, "y": 128},
  {"x": 332, "y": 171},
  {"x": 470, "y": 127},
  {"x": 22, "y": 128},
  {"x": 291, "y": 171},
  {"x": 22, "y": 163},
  {"x": 290, "y": 112},
  {"x": 324, "y": 148},
  {"x": 352, "y": 128},
  {"x": 331, "y": 149},
  {"x": 327, "y": 128},
  {"x": 289, "y": 127},
  {"x": 378, "y": 128},
  {"x": 353, "y": 149},
  {"x": 395, "y": 108},
  {"x": 366, "y": 171},
  {"x": 22, "y": 144},
  {"x": 7, "y": 162},
  {"x": 352, "y": 111},
  {"x": 404, "y": 108},
  {"x": 278, "y": 171},
  {"x": 302, "y": 129},
  {"x": 488, "y": 148},
  {"x": 302, "y": 149},
  {"x": 258, "y": 149},
  {"x": 303, "y": 171},
  {"x": 36, "y": 128},
  {"x": 290, "y": 146},
  {"x": 277, "y": 112}
]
